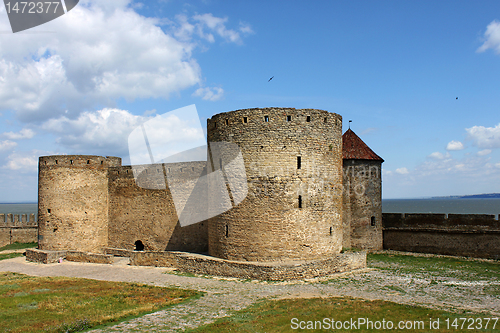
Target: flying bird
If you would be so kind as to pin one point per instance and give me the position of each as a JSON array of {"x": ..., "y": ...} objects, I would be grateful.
[
  {"x": 270, "y": 79},
  {"x": 457, "y": 97}
]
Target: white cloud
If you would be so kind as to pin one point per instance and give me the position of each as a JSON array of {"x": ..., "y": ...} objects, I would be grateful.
[
  {"x": 216, "y": 25},
  {"x": 25, "y": 133},
  {"x": 246, "y": 28},
  {"x": 102, "y": 51},
  {"x": 439, "y": 156},
  {"x": 402, "y": 171},
  {"x": 492, "y": 38},
  {"x": 101, "y": 131},
  {"x": 23, "y": 162},
  {"x": 210, "y": 94},
  {"x": 484, "y": 152},
  {"x": 485, "y": 137},
  {"x": 454, "y": 145},
  {"x": 7, "y": 145}
]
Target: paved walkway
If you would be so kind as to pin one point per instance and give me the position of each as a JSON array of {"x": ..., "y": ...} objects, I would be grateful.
[{"x": 224, "y": 296}]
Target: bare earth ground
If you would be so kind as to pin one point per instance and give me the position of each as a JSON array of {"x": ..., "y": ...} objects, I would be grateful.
[{"x": 224, "y": 296}]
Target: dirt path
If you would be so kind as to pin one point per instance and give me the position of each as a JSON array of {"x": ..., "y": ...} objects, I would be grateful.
[{"x": 224, "y": 296}]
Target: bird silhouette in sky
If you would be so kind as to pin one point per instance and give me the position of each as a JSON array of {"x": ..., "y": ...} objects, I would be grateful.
[
  {"x": 457, "y": 97},
  {"x": 270, "y": 79}
]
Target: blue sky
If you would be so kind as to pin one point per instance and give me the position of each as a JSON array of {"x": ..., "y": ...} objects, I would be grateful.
[{"x": 81, "y": 83}]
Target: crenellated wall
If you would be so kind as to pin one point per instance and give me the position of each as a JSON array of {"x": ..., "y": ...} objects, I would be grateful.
[
  {"x": 18, "y": 228},
  {"x": 147, "y": 213},
  {"x": 471, "y": 235}
]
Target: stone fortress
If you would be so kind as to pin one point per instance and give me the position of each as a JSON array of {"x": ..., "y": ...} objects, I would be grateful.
[{"x": 312, "y": 192}]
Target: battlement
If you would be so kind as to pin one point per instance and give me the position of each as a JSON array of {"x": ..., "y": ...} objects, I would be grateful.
[
  {"x": 449, "y": 222},
  {"x": 280, "y": 116},
  {"x": 18, "y": 228},
  {"x": 79, "y": 161},
  {"x": 17, "y": 220},
  {"x": 471, "y": 235}
]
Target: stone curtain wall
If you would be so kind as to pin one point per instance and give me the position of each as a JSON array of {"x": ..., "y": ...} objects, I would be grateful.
[
  {"x": 73, "y": 202},
  {"x": 17, "y": 228},
  {"x": 147, "y": 213},
  {"x": 471, "y": 235},
  {"x": 293, "y": 163},
  {"x": 362, "y": 199}
]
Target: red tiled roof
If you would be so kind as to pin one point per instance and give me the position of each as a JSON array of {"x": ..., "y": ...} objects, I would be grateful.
[{"x": 353, "y": 148}]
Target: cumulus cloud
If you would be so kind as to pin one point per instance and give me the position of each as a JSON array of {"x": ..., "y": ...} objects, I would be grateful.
[
  {"x": 209, "y": 94},
  {"x": 104, "y": 130},
  {"x": 25, "y": 133},
  {"x": 402, "y": 171},
  {"x": 217, "y": 25},
  {"x": 7, "y": 145},
  {"x": 386, "y": 172},
  {"x": 484, "y": 152},
  {"x": 492, "y": 38},
  {"x": 484, "y": 137},
  {"x": 439, "y": 156},
  {"x": 102, "y": 51},
  {"x": 23, "y": 162},
  {"x": 454, "y": 145}
]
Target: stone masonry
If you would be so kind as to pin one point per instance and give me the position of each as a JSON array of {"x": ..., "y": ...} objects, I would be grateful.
[{"x": 295, "y": 208}]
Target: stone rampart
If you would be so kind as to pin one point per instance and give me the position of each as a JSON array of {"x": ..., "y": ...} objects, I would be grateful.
[
  {"x": 21, "y": 228},
  {"x": 142, "y": 211},
  {"x": 272, "y": 271},
  {"x": 470, "y": 235}
]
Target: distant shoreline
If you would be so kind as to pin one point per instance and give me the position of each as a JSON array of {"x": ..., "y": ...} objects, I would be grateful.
[{"x": 18, "y": 203}]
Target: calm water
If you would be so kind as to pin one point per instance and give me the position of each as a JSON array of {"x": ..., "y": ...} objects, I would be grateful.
[
  {"x": 19, "y": 209},
  {"x": 453, "y": 206}
]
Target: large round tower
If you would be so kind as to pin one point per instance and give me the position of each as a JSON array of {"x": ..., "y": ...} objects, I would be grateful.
[
  {"x": 73, "y": 202},
  {"x": 293, "y": 164}
]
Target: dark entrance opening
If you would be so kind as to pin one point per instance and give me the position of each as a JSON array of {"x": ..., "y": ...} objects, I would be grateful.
[{"x": 139, "y": 246}]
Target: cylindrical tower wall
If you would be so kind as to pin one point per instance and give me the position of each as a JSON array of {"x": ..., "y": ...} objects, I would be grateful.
[
  {"x": 293, "y": 164},
  {"x": 73, "y": 202}
]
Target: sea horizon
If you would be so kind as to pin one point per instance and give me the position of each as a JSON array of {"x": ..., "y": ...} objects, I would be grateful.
[{"x": 441, "y": 205}]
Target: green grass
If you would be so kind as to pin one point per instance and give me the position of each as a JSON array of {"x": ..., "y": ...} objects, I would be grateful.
[
  {"x": 277, "y": 316},
  {"x": 4, "y": 256},
  {"x": 472, "y": 270},
  {"x": 56, "y": 304},
  {"x": 17, "y": 246}
]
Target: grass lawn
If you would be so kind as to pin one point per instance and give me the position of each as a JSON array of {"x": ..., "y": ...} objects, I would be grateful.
[
  {"x": 316, "y": 315},
  {"x": 17, "y": 246},
  {"x": 57, "y": 304},
  {"x": 10, "y": 255},
  {"x": 277, "y": 316},
  {"x": 441, "y": 266}
]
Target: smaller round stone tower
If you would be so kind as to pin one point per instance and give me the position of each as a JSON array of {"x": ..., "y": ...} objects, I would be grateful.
[
  {"x": 362, "y": 196},
  {"x": 73, "y": 202}
]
